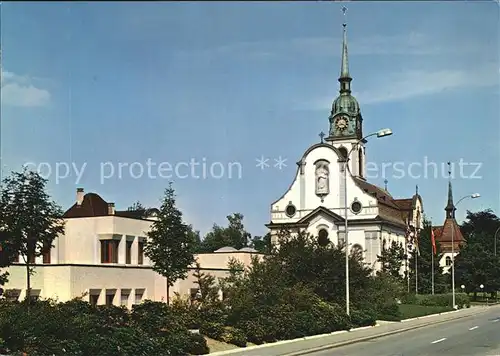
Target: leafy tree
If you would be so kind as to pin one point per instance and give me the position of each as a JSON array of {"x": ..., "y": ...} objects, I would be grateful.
[
  {"x": 476, "y": 263},
  {"x": 30, "y": 220},
  {"x": 322, "y": 268},
  {"x": 234, "y": 235},
  {"x": 424, "y": 267},
  {"x": 262, "y": 243},
  {"x": 7, "y": 256},
  {"x": 207, "y": 285},
  {"x": 195, "y": 236},
  {"x": 137, "y": 206},
  {"x": 392, "y": 259},
  {"x": 169, "y": 245}
]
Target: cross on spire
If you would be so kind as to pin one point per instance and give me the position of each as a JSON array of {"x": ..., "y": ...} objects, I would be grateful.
[
  {"x": 344, "y": 12},
  {"x": 321, "y": 136}
]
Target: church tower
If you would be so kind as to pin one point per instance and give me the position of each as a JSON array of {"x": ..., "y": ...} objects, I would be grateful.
[{"x": 345, "y": 117}]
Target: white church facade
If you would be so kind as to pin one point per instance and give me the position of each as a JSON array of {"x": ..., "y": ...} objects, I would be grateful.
[{"x": 315, "y": 200}]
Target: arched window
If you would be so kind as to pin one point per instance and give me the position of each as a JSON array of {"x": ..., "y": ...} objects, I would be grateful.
[
  {"x": 448, "y": 261},
  {"x": 323, "y": 237},
  {"x": 343, "y": 152},
  {"x": 360, "y": 161}
]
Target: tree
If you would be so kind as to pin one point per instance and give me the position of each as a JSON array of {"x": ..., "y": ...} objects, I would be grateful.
[
  {"x": 424, "y": 267},
  {"x": 138, "y": 207},
  {"x": 169, "y": 245},
  {"x": 391, "y": 259},
  {"x": 207, "y": 286},
  {"x": 262, "y": 243},
  {"x": 476, "y": 263},
  {"x": 7, "y": 256},
  {"x": 234, "y": 235},
  {"x": 30, "y": 220},
  {"x": 321, "y": 268},
  {"x": 195, "y": 236}
]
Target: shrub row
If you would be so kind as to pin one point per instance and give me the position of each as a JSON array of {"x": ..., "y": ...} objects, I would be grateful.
[
  {"x": 76, "y": 328},
  {"x": 439, "y": 300}
]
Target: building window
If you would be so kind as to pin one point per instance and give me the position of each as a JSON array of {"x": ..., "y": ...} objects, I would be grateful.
[
  {"x": 12, "y": 295},
  {"x": 128, "y": 253},
  {"x": 323, "y": 237},
  {"x": 290, "y": 210},
  {"x": 46, "y": 253},
  {"x": 125, "y": 294},
  {"x": 360, "y": 158},
  {"x": 140, "y": 252},
  {"x": 93, "y": 299},
  {"x": 110, "y": 296},
  {"x": 356, "y": 207},
  {"x": 139, "y": 293},
  {"x": 341, "y": 237},
  {"x": 448, "y": 261},
  {"x": 109, "y": 251},
  {"x": 343, "y": 152}
]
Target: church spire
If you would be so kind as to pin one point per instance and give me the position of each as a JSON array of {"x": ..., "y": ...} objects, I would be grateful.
[
  {"x": 345, "y": 78},
  {"x": 450, "y": 207}
]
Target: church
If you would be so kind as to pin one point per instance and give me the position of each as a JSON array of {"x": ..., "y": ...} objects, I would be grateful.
[{"x": 331, "y": 175}]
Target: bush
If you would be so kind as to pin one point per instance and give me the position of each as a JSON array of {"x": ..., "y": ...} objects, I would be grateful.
[
  {"x": 364, "y": 317},
  {"x": 443, "y": 300},
  {"x": 257, "y": 331},
  {"x": 389, "y": 312},
  {"x": 234, "y": 336},
  {"x": 75, "y": 328},
  {"x": 198, "y": 345},
  {"x": 212, "y": 330}
]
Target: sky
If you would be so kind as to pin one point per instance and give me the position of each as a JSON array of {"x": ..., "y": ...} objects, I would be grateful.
[{"x": 93, "y": 93}]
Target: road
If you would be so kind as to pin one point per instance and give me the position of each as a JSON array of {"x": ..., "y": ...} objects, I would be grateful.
[{"x": 477, "y": 335}]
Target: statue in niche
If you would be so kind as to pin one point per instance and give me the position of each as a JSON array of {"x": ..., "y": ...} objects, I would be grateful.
[{"x": 322, "y": 181}]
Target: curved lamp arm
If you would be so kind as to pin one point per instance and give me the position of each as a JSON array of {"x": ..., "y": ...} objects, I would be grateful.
[{"x": 379, "y": 134}]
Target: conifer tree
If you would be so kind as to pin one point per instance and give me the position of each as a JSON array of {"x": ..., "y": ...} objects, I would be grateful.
[{"x": 170, "y": 245}]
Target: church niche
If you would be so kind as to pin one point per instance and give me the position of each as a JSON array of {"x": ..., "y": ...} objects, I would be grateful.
[{"x": 322, "y": 178}]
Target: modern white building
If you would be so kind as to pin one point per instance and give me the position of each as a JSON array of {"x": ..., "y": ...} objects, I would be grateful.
[
  {"x": 101, "y": 257},
  {"x": 314, "y": 201}
]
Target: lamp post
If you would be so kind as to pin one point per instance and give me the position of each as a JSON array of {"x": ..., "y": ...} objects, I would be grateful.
[
  {"x": 472, "y": 196},
  {"x": 379, "y": 134},
  {"x": 495, "y": 241}
]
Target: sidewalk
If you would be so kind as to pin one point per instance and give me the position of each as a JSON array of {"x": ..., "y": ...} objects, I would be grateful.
[{"x": 299, "y": 346}]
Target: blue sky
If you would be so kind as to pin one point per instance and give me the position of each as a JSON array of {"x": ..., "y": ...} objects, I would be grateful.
[{"x": 88, "y": 83}]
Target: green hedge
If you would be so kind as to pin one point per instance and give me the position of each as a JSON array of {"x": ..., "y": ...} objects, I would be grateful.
[
  {"x": 75, "y": 328},
  {"x": 439, "y": 300}
]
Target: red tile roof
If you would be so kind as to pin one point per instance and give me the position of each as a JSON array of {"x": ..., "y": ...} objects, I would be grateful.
[
  {"x": 443, "y": 235},
  {"x": 396, "y": 211},
  {"x": 92, "y": 205}
]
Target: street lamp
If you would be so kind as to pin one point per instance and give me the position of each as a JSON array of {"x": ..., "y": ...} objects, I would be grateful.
[
  {"x": 379, "y": 134},
  {"x": 472, "y": 196}
]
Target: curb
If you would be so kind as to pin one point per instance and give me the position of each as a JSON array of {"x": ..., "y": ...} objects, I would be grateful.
[
  {"x": 342, "y": 343},
  {"x": 372, "y": 337}
]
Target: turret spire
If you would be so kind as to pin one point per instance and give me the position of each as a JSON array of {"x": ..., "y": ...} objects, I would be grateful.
[
  {"x": 450, "y": 207},
  {"x": 345, "y": 78}
]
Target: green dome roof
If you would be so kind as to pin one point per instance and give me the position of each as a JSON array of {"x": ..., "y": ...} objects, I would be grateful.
[{"x": 345, "y": 104}]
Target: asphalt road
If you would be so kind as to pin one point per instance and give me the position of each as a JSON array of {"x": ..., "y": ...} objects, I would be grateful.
[{"x": 477, "y": 335}]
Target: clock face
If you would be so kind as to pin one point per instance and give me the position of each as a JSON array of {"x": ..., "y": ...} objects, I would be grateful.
[{"x": 341, "y": 123}]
